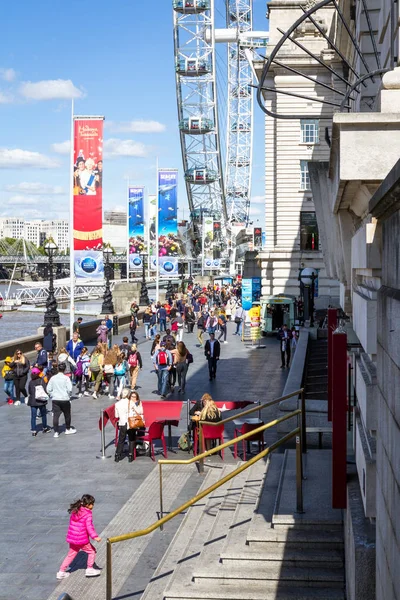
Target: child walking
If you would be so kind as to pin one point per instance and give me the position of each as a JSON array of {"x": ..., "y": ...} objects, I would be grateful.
[{"x": 80, "y": 529}]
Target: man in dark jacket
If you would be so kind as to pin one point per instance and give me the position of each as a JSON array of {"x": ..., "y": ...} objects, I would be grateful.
[
  {"x": 285, "y": 336},
  {"x": 41, "y": 359},
  {"x": 212, "y": 352},
  {"x": 162, "y": 318}
]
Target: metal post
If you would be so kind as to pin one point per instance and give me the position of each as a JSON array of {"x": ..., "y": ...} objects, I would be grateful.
[
  {"x": 303, "y": 423},
  {"x": 103, "y": 437},
  {"x": 161, "y": 494},
  {"x": 259, "y": 410},
  {"x": 200, "y": 441},
  {"x": 332, "y": 324},
  {"x": 339, "y": 424},
  {"x": 349, "y": 404},
  {"x": 109, "y": 572},
  {"x": 299, "y": 476}
]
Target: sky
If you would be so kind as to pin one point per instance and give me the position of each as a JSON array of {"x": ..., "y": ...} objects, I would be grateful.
[{"x": 115, "y": 59}]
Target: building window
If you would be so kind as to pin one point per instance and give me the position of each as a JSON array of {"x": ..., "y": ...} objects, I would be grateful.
[
  {"x": 304, "y": 175},
  {"x": 309, "y": 131},
  {"x": 309, "y": 238}
]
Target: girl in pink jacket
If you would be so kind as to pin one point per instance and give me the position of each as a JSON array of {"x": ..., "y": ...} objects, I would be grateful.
[{"x": 80, "y": 529}]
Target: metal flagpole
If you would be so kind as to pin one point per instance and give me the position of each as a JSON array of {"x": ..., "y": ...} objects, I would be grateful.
[
  {"x": 202, "y": 244},
  {"x": 157, "y": 240},
  {"x": 127, "y": 235},
  {"x": 147, "y": 222},
  {"x": 71, "y": 230}
]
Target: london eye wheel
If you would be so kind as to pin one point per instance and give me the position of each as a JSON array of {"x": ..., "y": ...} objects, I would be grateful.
[{"x": 216, "y": 133}]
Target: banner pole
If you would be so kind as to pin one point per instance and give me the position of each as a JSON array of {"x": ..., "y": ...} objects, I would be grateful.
[
  {"x": 157, "y": 239},
  {"x": 127, "y": 234},
  {"x": 71, "y": 230},
  {"x": 147, "y": 221},
  {"x": 202, "y": 244}
]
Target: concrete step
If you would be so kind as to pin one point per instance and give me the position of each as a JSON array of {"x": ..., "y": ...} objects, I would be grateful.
[
  {"x": 296, "y": 537},
  {"x": 242, "y": 491},
  {"x": 181, "y": 542},
  {"x": 255, "y": 590},
  {"x": 273, "y": 571},
  {"x": 278, "y": 552}
]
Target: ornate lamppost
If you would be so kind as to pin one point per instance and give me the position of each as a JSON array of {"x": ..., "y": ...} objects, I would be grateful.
[
  {"x": 144, "y": 294},
  {"x": 51, "y": 316},
  {"x": 170, "y": 289},
  {"x": 307, "y": 279},
  {"x": 107, "y": 306}
]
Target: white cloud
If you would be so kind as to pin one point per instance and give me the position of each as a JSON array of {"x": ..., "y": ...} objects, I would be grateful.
[
  {"x": 17, "y": 158},
  {"x": 23, "y": 200},
  {"x": 257, "y": 200},
  {"x": 51, "y": 89},
  {"x": 6, "y": 98},
  {"x": 8, "y": 74},
  {"x": 139, "y": 126},
  {"x": 115, "y": 147},
  {"x": 62, "y": 147},
  {"x": 35, "y": 188}
]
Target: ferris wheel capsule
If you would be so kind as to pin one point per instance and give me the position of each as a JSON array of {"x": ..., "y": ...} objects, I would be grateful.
[{"x": 191, "y": 7}]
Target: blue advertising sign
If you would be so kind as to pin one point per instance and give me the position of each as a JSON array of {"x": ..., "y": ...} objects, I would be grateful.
[
  {"x": 256, "y": 289},
  {"x": 89, "y": 264},
  {"x": 168, "y": 266},
  {"x": 168, "y": 212},
  {"x": 247, "y": 293},
  {"x": 137, "y": 243},
  {"x": 316, "y": 285}
]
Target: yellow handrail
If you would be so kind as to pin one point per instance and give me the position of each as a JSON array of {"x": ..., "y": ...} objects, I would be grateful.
[
  {"x": 203, "y": 494},
  {"x": 200, "y": 457},
  {"x": 257, "y": 408}
]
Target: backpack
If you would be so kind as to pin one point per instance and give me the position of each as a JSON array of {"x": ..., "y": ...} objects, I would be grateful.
[
  {"x": 94, "y": 362},
  {"x": 162, "y": 358},
  {"x": 79, "y": 369},
  {"x": 221, "y": 320},
  {"x": 120, "y": 369},
  {"x": 133, "y": 360},
  {"x": 41, "y": 394},
  {"x": 184, "y": 442}
]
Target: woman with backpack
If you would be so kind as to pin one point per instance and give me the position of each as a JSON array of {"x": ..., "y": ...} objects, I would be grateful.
[
  {"x": 96, "y": 368},
  {"x": 82, "y": 372},
  {"x": 110, "y": 360},
  {"x": 70, "y": 364},
  {"x": 120, "y": 370},
  {"x": 135, "y": 364},
  {"x": 37, "y": 400}
]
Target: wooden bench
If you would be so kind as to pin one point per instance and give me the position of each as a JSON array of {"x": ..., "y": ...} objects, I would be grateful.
[{"x": 320, "y": 431}]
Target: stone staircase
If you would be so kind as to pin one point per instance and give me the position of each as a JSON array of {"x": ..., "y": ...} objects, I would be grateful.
[
  {"x": 316, "y": 382},
  {"x": 246, "y": 542}
]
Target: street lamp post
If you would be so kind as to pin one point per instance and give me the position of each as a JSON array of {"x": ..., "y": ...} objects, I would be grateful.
[
  {"x": 307, "y": 277},
  {"x": 144, "y": 294},
  {"x": 51, "y": 316},
  {"x": 107, "y": 306},
  {"x": 170, "y": 289}
]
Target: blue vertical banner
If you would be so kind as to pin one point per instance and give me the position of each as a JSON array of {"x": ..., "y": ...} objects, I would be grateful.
[
  {"x": 168, "y": 241},
  {"x": 247, "y": 293},
  {"x": 137, "y": 244}
]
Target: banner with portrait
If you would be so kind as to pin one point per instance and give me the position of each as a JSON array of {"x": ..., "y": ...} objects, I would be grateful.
[
  {"x": 257, "y": 237},
  {"x": 137, "y": 243},
  {"x": 208, "y": 242},
  {"x": 88, "y": 194},
  {"x": 168, "y": 242}
]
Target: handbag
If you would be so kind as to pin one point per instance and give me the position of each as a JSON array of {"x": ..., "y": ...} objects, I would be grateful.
[
  {"x": 189, "y": 358},
  {"x": 135, "y": 422},
  {"x": 238, "y": 320},
  {"x": 108, "y": 369},
  {"x": 41, "y": 394}
]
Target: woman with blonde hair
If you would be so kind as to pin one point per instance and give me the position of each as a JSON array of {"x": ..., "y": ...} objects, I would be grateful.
[
  {"x": 210, "y": 412},
  {"x": 96, "y": 367},
  {"x": 20, "y": 367}
]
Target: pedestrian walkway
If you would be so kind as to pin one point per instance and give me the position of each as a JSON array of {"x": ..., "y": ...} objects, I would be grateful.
[{"x": 39, "y": 477}]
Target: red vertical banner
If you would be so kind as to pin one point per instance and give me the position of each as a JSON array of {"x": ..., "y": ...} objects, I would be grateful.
[
  {"x": 339, "y": 421},
  {"x": 88, "y": 195},
  {"x": 332, "y": 325}
]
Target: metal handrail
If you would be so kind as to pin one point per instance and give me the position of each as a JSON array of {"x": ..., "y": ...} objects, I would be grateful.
[
  {"x": 135, "y": 534},
  {"x": 200, "y": 457},
  {"x": 259, "y": 408}
]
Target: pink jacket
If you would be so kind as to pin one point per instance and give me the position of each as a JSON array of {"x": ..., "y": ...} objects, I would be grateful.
[{"x": 81, "y": 527}]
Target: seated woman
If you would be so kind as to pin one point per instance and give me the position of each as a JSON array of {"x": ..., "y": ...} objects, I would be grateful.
[{"x": 210, "y": 412}]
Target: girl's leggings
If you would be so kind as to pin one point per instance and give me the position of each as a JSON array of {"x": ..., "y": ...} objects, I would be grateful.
[{"x": 73, "y": 551}]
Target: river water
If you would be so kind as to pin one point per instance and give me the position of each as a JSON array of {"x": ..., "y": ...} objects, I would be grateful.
[{"x": 20, "y": 323}]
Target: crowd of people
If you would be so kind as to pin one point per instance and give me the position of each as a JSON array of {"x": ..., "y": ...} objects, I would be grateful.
[{"x": 109, "y": 369}]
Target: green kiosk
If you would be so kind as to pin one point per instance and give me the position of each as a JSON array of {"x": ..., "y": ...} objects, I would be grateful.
[{"x": 277, "y": 311}]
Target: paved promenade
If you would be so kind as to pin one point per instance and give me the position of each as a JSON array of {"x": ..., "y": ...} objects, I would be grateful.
[{"x": 40, "y": 476}]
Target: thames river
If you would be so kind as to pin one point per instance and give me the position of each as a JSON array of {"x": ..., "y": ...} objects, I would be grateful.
[{"x": 20, "y": 323}]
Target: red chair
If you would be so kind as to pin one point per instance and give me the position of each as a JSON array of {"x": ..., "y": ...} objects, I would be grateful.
[
  {"x": 213, "y": 432},
  {"x": 257, "y": 437},
  {"x": 155, "y": 432}
]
